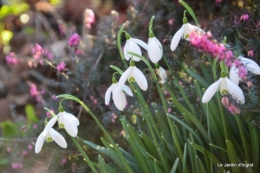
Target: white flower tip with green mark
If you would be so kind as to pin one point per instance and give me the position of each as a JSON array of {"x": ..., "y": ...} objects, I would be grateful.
[{"x": 52, "y": 134}]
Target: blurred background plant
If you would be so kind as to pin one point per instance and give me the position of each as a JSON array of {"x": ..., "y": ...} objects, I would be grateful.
[{"x": 41, "y": 57}]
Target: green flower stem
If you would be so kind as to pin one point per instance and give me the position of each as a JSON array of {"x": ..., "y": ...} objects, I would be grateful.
[
  {"x": 145, "y": 110},
  {"x": 243, "y": 138},
  {"x": 119, "y": 35},
  {"x": 155, "y": 79},
  {"x": 223, "y": 118},
  {"x": 71, "y": 97},
  {"x": 86, "y": 158},
  {"x": 143, "y": 105},
  {"x": 189, "y": 9}
]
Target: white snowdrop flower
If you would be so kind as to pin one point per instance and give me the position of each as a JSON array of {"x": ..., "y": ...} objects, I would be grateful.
[
  {"x": 49, "y": 135},
  {"x": 69, "y": 122},
  {"x": 131, "y": 45},
  {"x": 155, "y": 51},
  {"x": 118, "y": 97},
  {"x": 249, "y": 64},
  {"x": 134, "y": 74},
  {"x": 161, "y": 72},
  {"x": 225, "y": 86},
  {"x": 184, "y": 32}
]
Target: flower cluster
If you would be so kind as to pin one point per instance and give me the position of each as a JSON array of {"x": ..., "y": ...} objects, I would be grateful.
[
  {"x": 230, "y": 105},
  {"x": 37, "y": 51},
  {"x": 66, "y": 121},
  {"x": 203, "y": 41},
  {"x": 133, "y": 74},
  {"x": 61, "y": 66},
  {"x": 244, "y": 17},
  {"x": 11, "y": 58},
  {"x": 74, "y": 40},
  {"x": 239, "y": 66}
]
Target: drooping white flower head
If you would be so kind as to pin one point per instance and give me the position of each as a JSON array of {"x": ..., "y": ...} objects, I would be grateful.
[
  {"x": 155, "y": 51},
  {"x": 133, "y": 74},
  {"x": 183, "y": 32},
  {"x": 131, "y": 45},
  {"x": 118, "y": 94},
  {"x": 49, "y": 135},
  {"x": 162, "y": 73},
  {"x": 69, "y": 122},
  {"x": 225, "y": 86},
  {"x": 249, "y": 64}
]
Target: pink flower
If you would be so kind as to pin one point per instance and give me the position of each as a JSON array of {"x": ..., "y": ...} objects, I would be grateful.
[
  {"x": 218, "y": 1},
  {"x": 11, "y": 58},
  {"x": 250, "y": 53},
  {"x": 244, "y": 17},
  {"x": 61, "y": 66},
  {"x": 170, "y": 21},
  {"x": 37, "y": 51},
  {"x": 74, "y": 40},
  {"x": 89, "y": 18}
]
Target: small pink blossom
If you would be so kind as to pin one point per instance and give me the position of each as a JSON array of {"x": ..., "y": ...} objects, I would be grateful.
[
  {"x": 170, "y": 21},
  {"x": 48, "y": 114},
  {"x": 225, "y": 101},
  {"x": 11, "y": 58},
  {"x": 24, "y": 153},
  {"x": 30, "y": 147},
  {"x": 79, "y": 52},
  {"x": 8, "y": 149},
  {"x": 218, "y": 1},
  {"x": 89, "y": 18},
  {"x": 244, "y": 17},
  {"x": 37, "y": 51},
  {"x": 250, "y": 53},
  {"x": 63, "y": 161},
  {"x": 17, "y": 165},
  {"x": 61, "y": 66},
  {"x": 249, "y": 83},
  {"x": 169, "y": 110},
  {"x": 74, "y": 40},
  {"x": 35, "y": 126}
]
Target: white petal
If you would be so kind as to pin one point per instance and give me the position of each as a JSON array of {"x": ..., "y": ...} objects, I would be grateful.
[
  {"x": 140, "y": 42},
  {"x": 176, "y": 38},
  {"x": 39, "y": 143},
  {"x": 124, "y": 77},
  {"x": 209, "y": 93},
  {"x": 70, "y": 126},
  {"x": 50, "y": 124},
  {"x": 140, "y": 79},
  {"x": 235, "y": 91},
  {"x": 154, "y": 50},
  {"x": 58, "y": 138},
  {"x": 251, "y": 65},
  {"x": 108, "y": 93},
  {"x": 133, "y": 47},
  {"x": 233, "y": 74},
  {"x": 119, "y": 98},
  {"x": 127, "y": 90},
  {"x": 126, "y": 48},
  {"x": 162, "y": 73},
  {"x": 72, "y": 118},
  {"x": 223, "y": 85}
]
